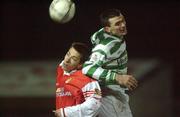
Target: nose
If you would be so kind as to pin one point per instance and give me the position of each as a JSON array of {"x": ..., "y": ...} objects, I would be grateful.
[
  {"x": 67, "y": 60},
  {"x": 123, "y": 24}
]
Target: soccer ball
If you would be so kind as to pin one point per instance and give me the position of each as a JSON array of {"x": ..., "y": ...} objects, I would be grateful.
[{"x": 62, "y": 11}]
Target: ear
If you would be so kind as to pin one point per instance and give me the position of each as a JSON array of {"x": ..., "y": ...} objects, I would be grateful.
[{"x": 107, "y": 29}]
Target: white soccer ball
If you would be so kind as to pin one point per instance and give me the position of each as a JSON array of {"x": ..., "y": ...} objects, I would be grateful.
[{"x": 62, "y": 11}]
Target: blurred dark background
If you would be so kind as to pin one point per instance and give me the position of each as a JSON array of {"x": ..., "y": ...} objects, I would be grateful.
[{"x": 28, "y": 34}]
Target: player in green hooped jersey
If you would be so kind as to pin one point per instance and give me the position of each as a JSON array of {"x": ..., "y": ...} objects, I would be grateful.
[{"x": 108, "y": 64}]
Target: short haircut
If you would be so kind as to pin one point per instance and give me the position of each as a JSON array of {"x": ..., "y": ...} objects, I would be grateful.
[
  {"x": 83, "y": 49},
  {"x": 110, "y": 13}
]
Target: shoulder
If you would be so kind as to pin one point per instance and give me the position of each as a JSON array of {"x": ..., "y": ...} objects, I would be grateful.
[
  {"x": 97, "y": 36},
  {"x": 106, "y": 45},
  {"x": 59, "y": 69},
  {"x": 83, "y": 78},
  {"x": 80, "y": 80}
]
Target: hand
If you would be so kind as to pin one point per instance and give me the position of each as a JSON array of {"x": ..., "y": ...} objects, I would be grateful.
[
  {"x": 127, "y": 80},
  {"x": 57, "y": 112}
]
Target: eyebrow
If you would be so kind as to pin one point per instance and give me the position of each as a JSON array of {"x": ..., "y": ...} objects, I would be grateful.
[
  {"x": 73, "y": 56},
  {"x": 118, "y": 22}
]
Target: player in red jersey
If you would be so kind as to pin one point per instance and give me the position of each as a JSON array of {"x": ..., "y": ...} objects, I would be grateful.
[{"x": 76, "y": 94}]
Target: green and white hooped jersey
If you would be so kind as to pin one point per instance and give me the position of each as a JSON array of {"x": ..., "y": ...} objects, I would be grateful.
[{"x": 109, "y": 56}]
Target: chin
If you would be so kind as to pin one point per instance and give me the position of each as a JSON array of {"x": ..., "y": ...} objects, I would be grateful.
[
  {"x": 123, "y": 33},
  {"x": 64, "y": 68}
]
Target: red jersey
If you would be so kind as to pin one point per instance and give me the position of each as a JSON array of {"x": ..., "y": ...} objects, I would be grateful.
[{"x": 74, "y": 89}]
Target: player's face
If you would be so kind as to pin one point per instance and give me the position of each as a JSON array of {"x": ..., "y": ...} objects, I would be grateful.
[
  {"x": 71, "y": 60},
  {"x": 118, "y": 26}
]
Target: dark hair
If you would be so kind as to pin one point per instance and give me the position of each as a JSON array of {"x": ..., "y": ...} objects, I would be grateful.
[
  {"x": 110, "y": 13},
  {"x": 83, "y": 49}
]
